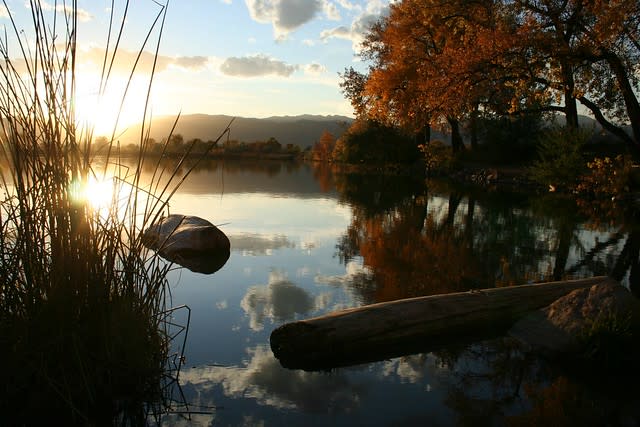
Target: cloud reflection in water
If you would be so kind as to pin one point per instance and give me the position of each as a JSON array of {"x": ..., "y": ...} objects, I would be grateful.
[
  {"x": 264, "y": 380},
  {"x": 280, "y": 300},
  {"x": 255, "y": 244}
]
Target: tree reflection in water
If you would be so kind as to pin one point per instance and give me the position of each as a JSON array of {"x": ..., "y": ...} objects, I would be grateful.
[
  {"x": 419, "y": 240},
  {"x": 445, "y": 240}
]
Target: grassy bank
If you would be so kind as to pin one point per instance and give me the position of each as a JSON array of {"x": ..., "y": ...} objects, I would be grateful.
[{"x": 83, "y": 302}]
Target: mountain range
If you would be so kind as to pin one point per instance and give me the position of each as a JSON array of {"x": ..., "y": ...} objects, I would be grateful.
[{"x": 303, "y": 130}]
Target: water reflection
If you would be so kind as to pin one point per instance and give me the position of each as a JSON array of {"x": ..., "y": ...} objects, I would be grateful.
[
  {"x": 316, "y": 240},
  {"x": 447, "y": 240},
  {"x": 255, "y": 244},
  {"x": 261, "y": 382},
  {"x": 279, "y": 300}
]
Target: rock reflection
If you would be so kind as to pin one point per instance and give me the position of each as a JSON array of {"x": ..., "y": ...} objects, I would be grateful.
[{"x": 280, "y": 300}]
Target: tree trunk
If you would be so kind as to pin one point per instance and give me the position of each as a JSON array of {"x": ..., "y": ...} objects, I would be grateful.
[
  {"x": 457, "y": 142},
  {"x": 452, "y": 208},
  {"x": 390, "y": 329},
  {"x": 607, "y": 125},
  {"x": 570, "y": 104},
  {"x": 630, "y": 100},
  {"x": 474, "y": 127},
  {"x": 427, "y": 133}
]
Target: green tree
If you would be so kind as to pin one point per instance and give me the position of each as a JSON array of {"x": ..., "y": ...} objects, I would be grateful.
[{"x": 371, "y": 142}]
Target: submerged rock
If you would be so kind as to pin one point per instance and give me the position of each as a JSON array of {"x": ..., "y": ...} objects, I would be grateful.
[
  {"x": 565, "y": 326},
  {"x": 189, "y": 241}
]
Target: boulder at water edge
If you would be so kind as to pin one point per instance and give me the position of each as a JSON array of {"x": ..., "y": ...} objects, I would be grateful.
[
  {"x": 560, "y": 329},
  {"x": 189, "y": 241}
]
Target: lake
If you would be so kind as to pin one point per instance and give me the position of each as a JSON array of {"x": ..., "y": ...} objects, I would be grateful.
[{"x": 306, "y": 241}]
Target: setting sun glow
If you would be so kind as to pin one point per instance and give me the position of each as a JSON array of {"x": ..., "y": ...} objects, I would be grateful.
[
  {"x": 99, "y": 112},
  {"x": 97, "y": 193}
]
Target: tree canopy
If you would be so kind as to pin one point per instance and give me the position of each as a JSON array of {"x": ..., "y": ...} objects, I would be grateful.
[{"x": 435, "y": 62}]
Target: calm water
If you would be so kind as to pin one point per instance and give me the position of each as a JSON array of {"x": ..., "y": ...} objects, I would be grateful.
[{"x": 306, "y": 242}]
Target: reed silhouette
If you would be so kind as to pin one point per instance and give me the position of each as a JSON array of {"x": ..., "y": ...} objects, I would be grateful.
[{"x": 83, "y": 303}]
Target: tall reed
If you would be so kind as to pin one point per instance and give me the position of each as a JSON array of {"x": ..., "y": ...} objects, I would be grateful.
[{"x": 81, "y": 298}]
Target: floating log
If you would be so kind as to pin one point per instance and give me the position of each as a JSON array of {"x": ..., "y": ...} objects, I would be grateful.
[{"x": 389, "y": 329}]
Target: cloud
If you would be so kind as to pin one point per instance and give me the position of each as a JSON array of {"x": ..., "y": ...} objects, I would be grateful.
[
  {"x": 83, "y": 15},
  {"x": 360, "y": 25},
  {"x": 4, "y": 12},
  {"x": 341, "y": 32},
  {"x": 331, "y": 11},
  {"x": 191, "y": 62},
  {"x": 355, "y": 272},
  {"x": 314, "y": 69},
  {"x": 126, "y": 58},
  {"x": 288, "y": 15},
  {"x": 346, "y": 4},
  {"x": 255, "y": 66}
]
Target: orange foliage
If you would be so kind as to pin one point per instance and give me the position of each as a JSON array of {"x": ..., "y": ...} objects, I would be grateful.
[
  {"x": 409, "y": 261},
  {"x": 432, "y": 60},
  {"x": 435, "y": 61},
  {"x": 324, "y": 147}
]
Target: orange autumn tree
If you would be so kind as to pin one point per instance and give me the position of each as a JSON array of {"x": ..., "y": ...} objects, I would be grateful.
[
  {"x": 431, "y": 63},
  {"x": 324, "y": 147},
  {"x": 434, "y": 62}
]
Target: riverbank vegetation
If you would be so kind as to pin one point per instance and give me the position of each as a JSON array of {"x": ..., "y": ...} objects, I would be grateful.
[
  {"x": 505, "y": 81},
  {"x": 177, "y": 147},
  {"x": 83, "y": 303}
]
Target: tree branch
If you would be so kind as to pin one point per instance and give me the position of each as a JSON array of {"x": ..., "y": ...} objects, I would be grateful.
[{"x": 606, "y": 124}]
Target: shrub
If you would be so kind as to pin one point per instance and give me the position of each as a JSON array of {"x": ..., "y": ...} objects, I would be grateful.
[
  {"x": 560, "y": 161},
  {"x": 509, "y": 140},
  {"x": 370, "y": 142},
  {"x": 437, "y": 156},
  {"x": 607, "y": 177}
]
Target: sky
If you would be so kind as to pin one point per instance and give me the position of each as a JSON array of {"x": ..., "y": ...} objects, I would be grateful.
[{"x": 246, "y": 58}]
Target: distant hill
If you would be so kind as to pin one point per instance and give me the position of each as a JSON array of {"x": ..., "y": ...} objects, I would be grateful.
[{"x": 302, "y": 130}]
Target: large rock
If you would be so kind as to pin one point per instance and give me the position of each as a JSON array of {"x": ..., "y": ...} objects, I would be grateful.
[
  {"x": 189, "y": 241},
  {"x": 557, "y": 329}
]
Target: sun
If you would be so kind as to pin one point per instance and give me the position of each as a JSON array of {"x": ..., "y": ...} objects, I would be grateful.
[{"x": 110, "y": 112}]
